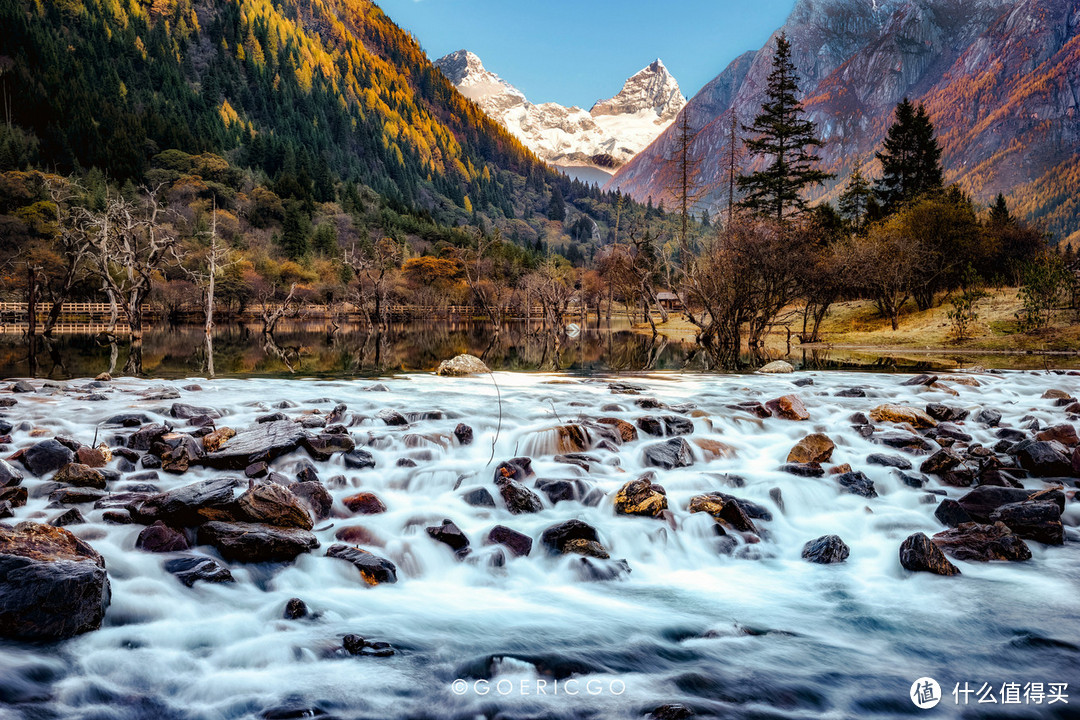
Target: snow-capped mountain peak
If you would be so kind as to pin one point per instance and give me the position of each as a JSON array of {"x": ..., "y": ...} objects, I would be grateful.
[
  {"x": 651, "y": 88},
  {"x": 604, "y": 138}
]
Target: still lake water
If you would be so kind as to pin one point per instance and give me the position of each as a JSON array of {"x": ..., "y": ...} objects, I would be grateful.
[{"x": 310, "y": 349}]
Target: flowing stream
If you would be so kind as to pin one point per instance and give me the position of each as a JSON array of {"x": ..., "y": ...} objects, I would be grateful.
[{"x": 744, "y": 631}]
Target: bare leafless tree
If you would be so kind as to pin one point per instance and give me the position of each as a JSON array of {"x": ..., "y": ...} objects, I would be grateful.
[{"x": 374, "y": 265}]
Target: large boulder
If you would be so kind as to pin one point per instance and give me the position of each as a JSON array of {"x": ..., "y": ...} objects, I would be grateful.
[
  {"x": 724, "y": 509},
  {"x": 517, "y": 543},
  {"x": 273, "y": 504},
  {"x": 374, "y": 569},
  {"x": 641, "y": 497},
  {"x": 46, "y": 456},
  {"x": 788, "y": 407},
  {"x": 981, "y": 502},
  {"x": 919, "y": 554},
  {"x": 776, "y": 367},
  {"x": 80, "y": 475},
  {"x": 941, "y": 462},
  {"x": 668, "y": 455},
  {"x": 52, "y": 584},
  {"x": 1043, "y": 458},
  {"x": 518, "y": 498},
  {"x": 9, "y": 476},
  {"x": 666, "y": 425},
  {"x": 264, "y": 441},
  {"x": 626, "y": 431},
  {"x": 573, "y": 537},
  {"x": 159, "y": 537},
  {"x": 256, "y": 543},
  {"x": 826, "y": 550},
  {"x": 461, "y": 365},
  {"x": 178, "y": 451},
  {"x": 1039, "y": 521},
  {"x": 449, "y": 534},
  {"x": 816, "y": 448},
  {"x": 974, "y": 541},
  {"x": 901, "y": 414},
  {"x": 365, "y": 503},
  {"x": 189, "y": 505}
]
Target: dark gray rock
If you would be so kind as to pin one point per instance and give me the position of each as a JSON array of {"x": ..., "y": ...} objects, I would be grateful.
[{"x": 825, "y": 550}]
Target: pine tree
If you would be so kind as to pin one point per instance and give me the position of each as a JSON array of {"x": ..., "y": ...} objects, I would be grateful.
[
  {"x": 686, "y": 186},
  {"x": 782, "y": 134},
  {"x": 556, "y": 207},
  {"x": 910, "y": 157},
  {"x": 856, "y": 201},
  {"x": 999, "y": 211}
]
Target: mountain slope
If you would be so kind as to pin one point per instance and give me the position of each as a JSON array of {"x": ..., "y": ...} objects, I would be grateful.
[
  {"x": 999, "y": 78},
  {"x": 605, "y": 137}
]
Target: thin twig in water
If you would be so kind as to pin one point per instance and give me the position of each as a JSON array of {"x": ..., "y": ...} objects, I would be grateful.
[
  {"x": 553, "y": 410},
  {"x": 498, "y": 430}
]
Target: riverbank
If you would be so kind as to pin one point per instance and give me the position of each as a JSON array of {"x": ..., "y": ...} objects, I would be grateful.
[
  {"x": 858, "y": 326},
  {"x": 360, "y": 546}
]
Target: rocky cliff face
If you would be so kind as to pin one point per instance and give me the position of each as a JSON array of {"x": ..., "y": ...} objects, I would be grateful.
[
  {"x": 604, "y": 138},
  {"x": 999, "y": 77}
]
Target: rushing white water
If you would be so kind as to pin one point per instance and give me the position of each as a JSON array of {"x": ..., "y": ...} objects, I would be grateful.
[{"x": 757, "y": 632}]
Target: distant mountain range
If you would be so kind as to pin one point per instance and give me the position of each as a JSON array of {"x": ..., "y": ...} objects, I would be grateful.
[
  {"x": 1000, "y": 78},
  {"x": 589, "y": 144}
]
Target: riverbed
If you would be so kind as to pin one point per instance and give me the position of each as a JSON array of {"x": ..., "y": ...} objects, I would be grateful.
[{"x": 724, "y": 623}]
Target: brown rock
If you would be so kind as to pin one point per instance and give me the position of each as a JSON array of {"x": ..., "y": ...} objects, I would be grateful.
[
  {"x": 901, "y": 414},
  {"x": 641, "y": 497},
  {"x": 91, "y": 457},
  {"x": 374, "y": 569},
  {"x": 973, "y": 541},
  {"x": 815, "y": 447},
  {"x": 626, "y": 431},
  {"x": 1063, "y": 433},
  {"x": 80, "y": 475},
  {"x": 159, "y": 537},
  {"x": 788, "y": 407},
  {"x": 275, "y": 505},
  {"x": 365, "y": 503},
  {"x": 918, "y": 554},
  {"x": 215, "y": 440},
  {"x": 714, "y": 449},
  {"x": 724, "y": 509},
  {"x": 358, "y": 535}
]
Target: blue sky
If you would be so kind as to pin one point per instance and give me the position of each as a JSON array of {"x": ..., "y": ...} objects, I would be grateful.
[{"x": 576, "y": 52}]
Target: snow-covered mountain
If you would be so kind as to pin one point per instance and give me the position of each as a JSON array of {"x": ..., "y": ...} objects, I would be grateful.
[{"x": 588, "y": 143}]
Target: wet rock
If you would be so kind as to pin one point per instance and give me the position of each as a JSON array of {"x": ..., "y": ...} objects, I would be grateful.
[
  {"x": 625, "y": 388},
  {"x": 941, "y": 462},
  {"x": 560, "y": 490},
  {"x": 754, "y": 408},
  {"x": 80, "y": 475},
  {"x": 944, "y": 413},
  {"x": 464, "y": 434},
  {"x": 668, "y": 455},
  {"x": 392, "y": 417},
  {"x": 641, "y": 497},
  {"x": 518, "y": 498},
  {"x": 573, "y": 536},
  {"x": 814, "y": 448},
  {"x": 804, "y": 469},
  {"x": 93, "y": 457},
  {"x": 374, "y": 569},
  {"x": 901, "y": 414},
  {"x": 479, "y": 497},
  {"x": 893, "y": 461},
  {"x": 271, "y": 417},
  {"x": 46, "y": 456},
  {"x": 450, "y": 535},
  {"x": 359, "y": 460},
  {"x": 1063, "y": 433},
  {"x": 177, "y": 451},
  {"x": 14, "y": 495},
  {"x": 257, "y": 470},
  {"x": 295, "y": 609},
  {"x": 68, "y": 517},
  {"x": 1042, "y": 458},
  {"x": 589, "y": 570},
  {"x": 189, "y": 505},
  {"x": 461, "y": 365},
  {"x": 626, "y": 431},
  {"x": 264, "y": 441},
  {"x": 1038, "y": 521},
  {"x": 581, "y": 460},
  {"x": 982, "y": 543},
  {"x": 724, "y": 509},
  {"x": 981, "y": 502},
  {"x": 183, "y": 411},
  {"x": 364, "y": 503},
  {"x": 776, "y": 367},
  {"x": 22, "y": 387},
  {"x": 852, "y": 393},
  {"x": 316, "y": 497},
  {"x": 54, "y": 584},
  {"x": 950, "y": 512},
  {"x": 671, "y": 711},
  {"x": 948, "y": 430},
  {"x": 920, "y": 380},
  {"x": 988, "y": 416},
  {"x": 825, "y": 550},
  {"x": 904, "y": 441},
  {"x": 666, "y": 425},
  {"x": 1056, "y": 394},
  {"x": 146, "y": 436},
  {"x": 275, "y": 505},
  {"x": 788, "y": 407},
  {"x": 76, "y": 496},
  {"x": 159, "y": 537},
  {"x": 9, "y": 476},
  {"x": 857, "y": 483},
  {"x": 518, "y": 543},
  {"x": 213, "y": 441},
  {"x": 919, "y": 554},
  {"x": 190, "y": 569},
  {"x": 254, "y": 543}
]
